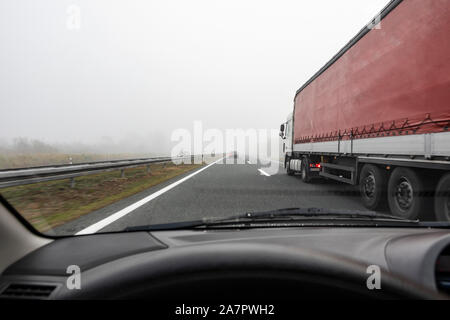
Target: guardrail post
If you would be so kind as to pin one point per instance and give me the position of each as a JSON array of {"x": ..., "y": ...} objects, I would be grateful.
[
  {"x": 148, "y": 169},
  {"x": 122, "y": 173},
  {"x": 72, "y": 182}
]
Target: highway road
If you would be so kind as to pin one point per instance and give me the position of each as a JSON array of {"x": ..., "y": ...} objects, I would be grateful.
[{"x": 216, "y": 190}]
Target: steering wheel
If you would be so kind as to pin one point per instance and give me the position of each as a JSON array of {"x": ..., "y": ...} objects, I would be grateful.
[{"x": 254, "y": 272}]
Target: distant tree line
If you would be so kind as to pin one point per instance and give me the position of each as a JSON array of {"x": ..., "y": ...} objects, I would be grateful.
[
  {"x": 152, "y": 145},
  {"x": 28, "y": 146}
]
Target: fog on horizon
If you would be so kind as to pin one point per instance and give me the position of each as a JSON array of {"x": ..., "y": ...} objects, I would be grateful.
[{"x": 125, "y": 74}]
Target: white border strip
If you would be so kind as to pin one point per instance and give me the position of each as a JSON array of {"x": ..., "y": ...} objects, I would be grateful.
[{"x": 119, "y": 214}]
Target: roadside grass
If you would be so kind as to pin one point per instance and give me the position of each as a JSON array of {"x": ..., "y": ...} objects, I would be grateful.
[{"x": 49, "y": 204}]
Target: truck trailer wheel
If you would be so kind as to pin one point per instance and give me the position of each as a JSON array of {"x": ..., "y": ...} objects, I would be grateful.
[
  {"x": 405, "y": 193},
  {"x": 306, "y": 175},
  {"x": 442, "y": 199},
  {"x": 287, "y": 165},
  {"x": 372, "y": 185}
]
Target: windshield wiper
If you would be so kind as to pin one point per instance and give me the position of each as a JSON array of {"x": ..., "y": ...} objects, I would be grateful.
[
  {"x": 321, "y": 212},
  {"x": 285, "y": 215}
]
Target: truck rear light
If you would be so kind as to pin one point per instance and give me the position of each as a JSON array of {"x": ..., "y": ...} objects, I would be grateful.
[{"x": 314, "y": 165}]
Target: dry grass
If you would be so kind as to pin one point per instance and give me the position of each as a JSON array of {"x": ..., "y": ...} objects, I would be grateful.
[{"x": 49, "y": 204}]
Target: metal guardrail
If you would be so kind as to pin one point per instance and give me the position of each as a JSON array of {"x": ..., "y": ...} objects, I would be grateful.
[{"x": 22, "y": 176}]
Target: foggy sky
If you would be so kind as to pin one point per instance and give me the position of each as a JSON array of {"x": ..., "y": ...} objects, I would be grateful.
[{"x": 136, "y": 70}]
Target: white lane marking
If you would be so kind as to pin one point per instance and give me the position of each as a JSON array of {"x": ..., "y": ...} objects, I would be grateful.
[
  {"x": 264, "y": 173},
  {"x": 273, "y": 160},
  {"x": 248, "y": 161},
  {"x": 121, "y": 213},
  {"x": 270, "y": 160}
]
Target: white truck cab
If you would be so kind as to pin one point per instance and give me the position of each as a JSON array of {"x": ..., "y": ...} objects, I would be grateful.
[{"x": 286, "y": 134}]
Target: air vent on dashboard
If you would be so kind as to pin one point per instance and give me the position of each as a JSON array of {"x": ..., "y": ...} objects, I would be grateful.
[
  {"x": 443, "y": 271},
  {"x": 27, "y": 291}
]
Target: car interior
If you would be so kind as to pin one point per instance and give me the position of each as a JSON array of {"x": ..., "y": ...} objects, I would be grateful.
[{"x": 267, "y": 264}]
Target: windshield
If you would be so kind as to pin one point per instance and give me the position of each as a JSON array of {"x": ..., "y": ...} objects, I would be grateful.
[{"x": 124, "y": 115}]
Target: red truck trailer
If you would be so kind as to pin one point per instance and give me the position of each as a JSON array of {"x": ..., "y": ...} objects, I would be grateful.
[{"x": 378, "y": 114}]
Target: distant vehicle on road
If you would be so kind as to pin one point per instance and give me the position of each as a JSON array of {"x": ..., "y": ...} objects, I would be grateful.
[{"x": 377, "y": 115}]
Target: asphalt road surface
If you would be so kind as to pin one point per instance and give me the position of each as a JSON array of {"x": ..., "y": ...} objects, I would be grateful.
[{"x": 216, "y": 190}]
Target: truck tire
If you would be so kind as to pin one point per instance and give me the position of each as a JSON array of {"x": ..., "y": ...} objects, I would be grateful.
[
  {"x": 305, "y": 174},
  {"x": 405, "y": 194},
  {"x": 287, "y": 165},
  {"x": 442, "y": 199},
  {"x": 372, "y": 186}
]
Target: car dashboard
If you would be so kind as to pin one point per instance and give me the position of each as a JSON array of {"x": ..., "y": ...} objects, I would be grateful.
[{"x": 420, "y": 256}]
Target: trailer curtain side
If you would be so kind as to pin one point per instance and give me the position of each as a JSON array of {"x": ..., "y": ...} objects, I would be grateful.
[{"x": 393, "y": 81}]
